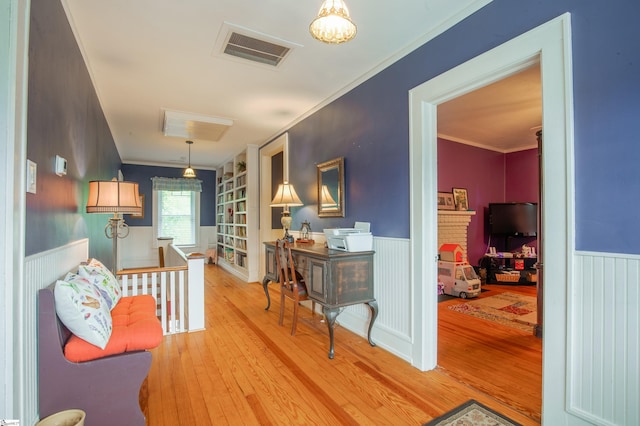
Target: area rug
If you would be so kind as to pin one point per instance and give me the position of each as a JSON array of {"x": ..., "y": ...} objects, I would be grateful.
[
  {"x": 510, "y": 309},
  {"x": 472, "y": 413}
]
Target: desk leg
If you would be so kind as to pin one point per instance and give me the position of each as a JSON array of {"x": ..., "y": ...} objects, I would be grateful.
[
  {"x": 373, "y": 307},
  {"x": 265, "y": 286},
  {"x": 330, "y": 315}
]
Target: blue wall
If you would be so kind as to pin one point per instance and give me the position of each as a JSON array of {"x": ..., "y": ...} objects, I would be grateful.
[
  {"x": 143, "y": 174},
  {"x": 64, "y": 118},
  {"x": 369, "y": 126}
]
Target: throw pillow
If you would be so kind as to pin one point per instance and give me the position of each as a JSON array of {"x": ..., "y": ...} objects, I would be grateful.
[
  {"x": 100, "y": 276},
  {"x": 82, "y": 310}
]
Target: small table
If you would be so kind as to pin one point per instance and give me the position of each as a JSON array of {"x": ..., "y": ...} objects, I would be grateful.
[{"x": 334, "y": 279}]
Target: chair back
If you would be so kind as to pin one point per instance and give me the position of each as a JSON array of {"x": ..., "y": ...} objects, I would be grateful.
[{"x": 284, "y": 264}]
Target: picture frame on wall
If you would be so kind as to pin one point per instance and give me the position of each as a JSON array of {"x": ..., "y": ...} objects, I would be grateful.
[
  {"x": 461, "y": 198},
  {"x": 445, "y": 201}
]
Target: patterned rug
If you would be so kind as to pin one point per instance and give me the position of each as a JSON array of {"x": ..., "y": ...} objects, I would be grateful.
[
  {"x": 510, "y": 309},
  {"x": 472, "y": 413}
]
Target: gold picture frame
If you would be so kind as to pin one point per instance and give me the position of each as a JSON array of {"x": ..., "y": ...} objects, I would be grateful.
[{"x": 461, "y": 198}]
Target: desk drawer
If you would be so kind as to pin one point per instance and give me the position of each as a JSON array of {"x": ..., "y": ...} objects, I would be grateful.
[{"x": 316, "y": 278}]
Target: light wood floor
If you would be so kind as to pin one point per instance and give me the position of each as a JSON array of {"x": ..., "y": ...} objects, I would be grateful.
[{"x": 245, "y": 369}]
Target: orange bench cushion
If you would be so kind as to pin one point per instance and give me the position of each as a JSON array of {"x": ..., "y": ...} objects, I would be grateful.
[{"x": 135, "y": 327}]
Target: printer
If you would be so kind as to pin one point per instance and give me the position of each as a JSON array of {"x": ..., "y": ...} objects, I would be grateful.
[{"x": 357, "y": 238}]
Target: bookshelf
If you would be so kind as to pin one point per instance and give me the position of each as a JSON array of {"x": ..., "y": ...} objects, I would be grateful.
[{"x": 237, "y": 214}]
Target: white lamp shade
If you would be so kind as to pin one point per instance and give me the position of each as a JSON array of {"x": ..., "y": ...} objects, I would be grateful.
[
  {"x": 286, "y": 196},
  {"x": 111, "y": 196}
]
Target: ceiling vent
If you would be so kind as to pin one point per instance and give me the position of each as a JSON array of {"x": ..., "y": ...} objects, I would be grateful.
[
  {"x": 248, "y": 45},
  {"x": 194, "y": 126},
  {"x": 253, "y": 49}
]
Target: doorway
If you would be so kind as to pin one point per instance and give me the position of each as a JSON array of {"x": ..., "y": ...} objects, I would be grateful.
[
  {"x": 550, "y": 46},
  {"x": 487, "y": 144}
]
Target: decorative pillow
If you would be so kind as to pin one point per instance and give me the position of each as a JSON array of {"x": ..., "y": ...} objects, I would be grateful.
[
  {"x": 82, "y": 310},
  {"x": 100, "y": 276}
]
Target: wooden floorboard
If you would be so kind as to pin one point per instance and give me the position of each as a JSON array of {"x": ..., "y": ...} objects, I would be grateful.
[{"x": 245, "y": 369}]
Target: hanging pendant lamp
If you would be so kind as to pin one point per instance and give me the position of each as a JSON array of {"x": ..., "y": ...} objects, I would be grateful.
[
  {"x": 333, "y": 24},
  {"x": 189, "y": 173}
]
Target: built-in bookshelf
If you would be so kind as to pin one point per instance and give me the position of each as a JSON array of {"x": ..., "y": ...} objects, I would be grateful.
[{"x": 237, "y": 214}]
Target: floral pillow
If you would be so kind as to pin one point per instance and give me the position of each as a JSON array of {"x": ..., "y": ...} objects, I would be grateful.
[
  {"x": 82, "y": 310},
  {"x": 103, "y": 279}
]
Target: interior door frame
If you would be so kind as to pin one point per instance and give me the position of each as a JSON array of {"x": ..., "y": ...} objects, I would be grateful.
[
  {"x": 550, "y": 46},
  {"x": 267, "y": 233}
]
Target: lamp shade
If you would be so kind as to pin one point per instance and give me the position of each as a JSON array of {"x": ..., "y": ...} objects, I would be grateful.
[
  {"x": 286, "y": 196},
  {"x": 111, "y": 196},
  {"x": 189, "y": 173},
  {"x": 333, "y": 24}
]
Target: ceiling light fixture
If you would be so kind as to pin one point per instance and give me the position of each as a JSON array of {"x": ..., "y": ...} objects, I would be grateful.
[
  {"x": 333, "y": 24},
  {"x": 189, "y": 173}
]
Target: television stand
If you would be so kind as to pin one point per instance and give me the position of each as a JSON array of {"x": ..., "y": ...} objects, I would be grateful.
[{"x": 496, "y": 264}]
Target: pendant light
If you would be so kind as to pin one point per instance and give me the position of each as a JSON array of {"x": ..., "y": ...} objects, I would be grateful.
[
  {"x": 189, "y": 173},
  {"x": 333, "y": 24}
]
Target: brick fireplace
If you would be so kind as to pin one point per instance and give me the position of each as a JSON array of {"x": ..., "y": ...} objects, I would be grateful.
[{"x": 452, "y": 228}]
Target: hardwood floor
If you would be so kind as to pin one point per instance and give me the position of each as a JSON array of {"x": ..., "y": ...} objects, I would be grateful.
[{"x": 245, "y": 369}]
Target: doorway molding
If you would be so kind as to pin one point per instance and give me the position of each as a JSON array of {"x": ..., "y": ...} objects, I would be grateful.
[{"x": 548, "y": 45}]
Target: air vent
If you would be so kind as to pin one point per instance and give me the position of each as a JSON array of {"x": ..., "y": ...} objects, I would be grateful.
[
  {"x": 256, "y": 50},
  {"x": 194, "y": 126},
  {"x": 240, "y": 44}
]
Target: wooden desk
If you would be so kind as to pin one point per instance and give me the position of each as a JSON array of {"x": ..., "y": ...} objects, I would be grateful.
[{"x": 334, "y": 279}]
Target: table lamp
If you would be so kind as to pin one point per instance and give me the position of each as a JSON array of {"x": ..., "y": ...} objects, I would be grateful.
[{"x": 286, "y": 197}]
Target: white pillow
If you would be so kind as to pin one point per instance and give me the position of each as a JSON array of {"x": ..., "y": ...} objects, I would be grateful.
[
  {"x": 100, "y": 276},
  {"x": 82, "y": 310}
]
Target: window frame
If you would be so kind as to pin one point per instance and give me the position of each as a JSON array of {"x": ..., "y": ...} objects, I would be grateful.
[{"x": 156, "y": 217}]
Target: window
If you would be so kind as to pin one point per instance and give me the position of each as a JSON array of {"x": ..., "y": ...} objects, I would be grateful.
[
  {"x": 176, "y": 210},
  {"x": 177, "y": 216}
]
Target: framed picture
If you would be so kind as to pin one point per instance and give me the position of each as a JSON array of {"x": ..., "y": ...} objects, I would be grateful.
[
  {"x": 445, "y": 201},
  {"x": 141, "y": 215},
  {"x": 461, "y": 198}
]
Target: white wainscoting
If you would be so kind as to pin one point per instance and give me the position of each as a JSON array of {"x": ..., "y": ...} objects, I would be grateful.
[
  {"x": 41, "y": 270},
  {"x": 604, "y": 338},
  {"x": 392, "y": 289}
]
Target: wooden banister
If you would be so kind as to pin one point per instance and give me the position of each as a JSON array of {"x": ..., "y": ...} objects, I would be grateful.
[{"x": 150, "y": 270}]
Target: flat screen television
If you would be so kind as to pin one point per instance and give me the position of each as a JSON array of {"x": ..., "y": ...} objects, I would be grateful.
[{"x": 513, "y": 219}]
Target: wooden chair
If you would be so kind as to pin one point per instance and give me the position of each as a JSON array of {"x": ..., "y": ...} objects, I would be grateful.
[{"x": 292, "y": 284}]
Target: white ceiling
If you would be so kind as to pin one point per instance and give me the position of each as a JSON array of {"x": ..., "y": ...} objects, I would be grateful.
[
  {"x": 147, "y": 56},
  {"x": 503, "y": 116}
]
